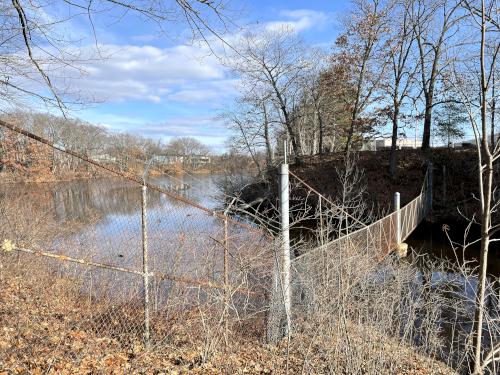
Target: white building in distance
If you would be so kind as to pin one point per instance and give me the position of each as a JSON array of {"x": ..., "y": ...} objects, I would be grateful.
[{"x": 385, "y": 144}]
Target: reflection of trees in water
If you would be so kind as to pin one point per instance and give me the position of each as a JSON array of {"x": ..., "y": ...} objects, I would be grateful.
[
  {"x": 80, "y": 200},
  {"x": 182, "y": 239}
]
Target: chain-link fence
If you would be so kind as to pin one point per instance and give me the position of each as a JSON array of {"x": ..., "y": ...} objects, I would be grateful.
[
  {"x": 374, "y": 241},
  {"x": 328, "y": 235},
  {"x": 101, "y": 251}
]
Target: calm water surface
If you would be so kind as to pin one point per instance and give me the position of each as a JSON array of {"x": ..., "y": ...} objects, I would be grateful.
[{"x": 106, "y": 217}]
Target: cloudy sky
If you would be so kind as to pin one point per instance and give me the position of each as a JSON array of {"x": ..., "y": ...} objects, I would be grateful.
[{"x": 162, "y": 85}]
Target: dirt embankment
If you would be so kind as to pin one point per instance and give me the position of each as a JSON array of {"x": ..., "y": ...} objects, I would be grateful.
[{"x": 455, "y": 178}]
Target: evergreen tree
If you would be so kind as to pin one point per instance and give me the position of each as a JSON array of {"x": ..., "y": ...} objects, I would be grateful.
[{"x": 450, "y": 123}]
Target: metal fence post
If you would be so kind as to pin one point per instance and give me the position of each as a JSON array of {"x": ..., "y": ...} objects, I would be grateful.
[
  {"x": 145, "y": 270},
  {"x": 226, "y": 278},
  {"x": 285, "y": 234},
  {"x": 397, "y": 210}
]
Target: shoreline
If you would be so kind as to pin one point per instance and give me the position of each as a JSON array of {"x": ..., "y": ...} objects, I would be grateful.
[{"x": 9, "y": 180}]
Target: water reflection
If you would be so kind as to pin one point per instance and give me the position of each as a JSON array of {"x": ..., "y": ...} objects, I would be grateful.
[
  {"x": 431, "y": 240},
  {"x": 79, "y": 200}
]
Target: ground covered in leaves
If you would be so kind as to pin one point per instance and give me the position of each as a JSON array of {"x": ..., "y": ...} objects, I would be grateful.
[{"x": 42, "y": 331}]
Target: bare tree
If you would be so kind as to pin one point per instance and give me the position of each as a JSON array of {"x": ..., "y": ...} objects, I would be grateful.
[
  {"x": 253, "y": 131},
  {"x": 401, "y": 72},
  {"x": 187, "y": 146},
  {"x": 315, "y": 99},
  {"x": 272, "y": 62},
  {"x": 434, "y": 24},
  {"x": 474, "y": 90},
  {"x": 33, "y": 44}
]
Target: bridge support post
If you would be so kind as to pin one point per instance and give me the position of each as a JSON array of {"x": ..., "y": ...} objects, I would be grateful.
[{"x": 401, "y": 247}]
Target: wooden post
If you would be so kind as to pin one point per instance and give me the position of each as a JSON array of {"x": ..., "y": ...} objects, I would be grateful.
[{"x": 145, "y": 271}]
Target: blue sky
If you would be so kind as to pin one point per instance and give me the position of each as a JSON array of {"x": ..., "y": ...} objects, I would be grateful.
[{"x": 161, "y": 85}]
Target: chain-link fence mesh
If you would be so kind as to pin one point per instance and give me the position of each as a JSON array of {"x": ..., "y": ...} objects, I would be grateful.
[
  {"x": 107, "y": 255},
  {"x": 98, "y": 258},
  {"x": 374, "y": 241}
]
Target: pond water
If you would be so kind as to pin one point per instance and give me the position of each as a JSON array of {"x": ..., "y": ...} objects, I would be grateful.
[
  {"x": 431, "y": 240},
  {"x": 104, "y": 216},
  {"x": 440, "y": 270}
]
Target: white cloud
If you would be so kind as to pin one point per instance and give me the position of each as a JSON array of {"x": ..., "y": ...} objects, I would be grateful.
[
  {"x": 205, "y": 92},
  {"x": 299, "y": 20},
  {"x": 147, "y": 73},
  {"x": 187, "y": 74},
  {"x": 204, "y": 128}
]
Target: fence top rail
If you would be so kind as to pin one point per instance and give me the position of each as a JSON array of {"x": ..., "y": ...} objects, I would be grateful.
[{"x": 127, "y": 176}]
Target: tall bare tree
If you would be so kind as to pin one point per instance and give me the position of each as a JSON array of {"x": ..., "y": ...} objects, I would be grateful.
[
  {"x": 435, "y": 25},
  {"x": 401, "y": 71},
  {"x": 474, "y": 83},
  {"x": 253, "y": 129},
  {"x": 315, "y": 95},
  {"x": 272, "y": 62}
]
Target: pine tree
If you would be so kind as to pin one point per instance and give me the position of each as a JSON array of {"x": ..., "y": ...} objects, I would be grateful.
[{"x": 450, "y": 122}]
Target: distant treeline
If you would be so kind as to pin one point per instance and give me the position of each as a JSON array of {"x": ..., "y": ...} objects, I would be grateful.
[{"x": 23, "y": 158}]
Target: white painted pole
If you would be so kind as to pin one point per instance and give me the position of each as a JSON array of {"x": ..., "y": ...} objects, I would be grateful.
[
  {"x": 396, "y": 207},
  {"x": 285, "y": 233},
  {"x": 145, "y": 270}
]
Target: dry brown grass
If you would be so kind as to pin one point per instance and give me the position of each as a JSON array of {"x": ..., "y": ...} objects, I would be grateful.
[
  {"x": 43, "y": 331},
  {"x": 58, "y": 318}
]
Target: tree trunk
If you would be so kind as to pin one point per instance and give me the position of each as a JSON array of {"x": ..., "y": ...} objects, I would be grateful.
[
  {"x": 350, "y": 135},
  {"x": 269, "y": 151},
  {"x": 320, "y": 128},
  {"x": 485, "y": 190},
  {"x": 493, "y": 108},
  {"x": 483, "y": 261},
  {"x": 321, "y": 134},
  {"x": 288, "y": 119},
  {"x": 392, "y": 158},
  {"x": 426, "y": 138}
]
